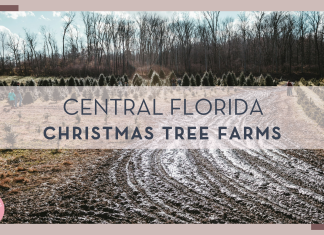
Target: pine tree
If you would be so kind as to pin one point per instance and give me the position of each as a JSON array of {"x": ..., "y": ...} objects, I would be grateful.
[
  {"x": 94, "y": 83},
  {"x": 230, "y": 79},
  {"x": 71, "y": 82},
  {"x": 234, "y": 78},
  {"x": 269, "y": 80},
  {"x": 87, "y": 82},
  {"x": 211, "y": 79},
  {"x": 112, "y": 81},
  {"x": 137, "y": 80},
  {"x": 156, "y": 81},
  {"x": 198, "y": 79},
  {"x": 241, "y": 79},
  {"x": 102, "y": 80},
  {"x": 81, "y": 82},
  {"x": 162, "y": 74},
  {"x": 150, "y": 73},
  {"x": 126, "y": 79},
  {"x": 205, "y": 80},
  {"x": 122, "y": 79},
  {"x": 45, "y": 82},
  {"x": 185, "y": 80},
  {"x": 62, "y": 82},
  {"x": 192, "y": 81},
  {"x": 172, "y": 79},
  {"x": 250, "y": 80},
  {"x": 31, "y": 83},
  {"x": 107, "y": 80}
]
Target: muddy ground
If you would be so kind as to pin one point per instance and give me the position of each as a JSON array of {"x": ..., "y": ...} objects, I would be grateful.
[{"x": 179, "y": 186}]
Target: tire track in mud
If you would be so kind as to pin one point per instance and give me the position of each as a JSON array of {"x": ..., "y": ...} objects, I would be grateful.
[{"x": 181, "y": 186}]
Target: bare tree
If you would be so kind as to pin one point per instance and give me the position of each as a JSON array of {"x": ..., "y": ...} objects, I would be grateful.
[
  {"x": 212, "y": 18},
  {"x": 3, "y": 36},
  {"x": 67, "y": 21},
  {"x": 315, "y": 21}
]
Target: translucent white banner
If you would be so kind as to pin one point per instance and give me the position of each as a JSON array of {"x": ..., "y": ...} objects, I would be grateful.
[{"x": 161, "y": 117}]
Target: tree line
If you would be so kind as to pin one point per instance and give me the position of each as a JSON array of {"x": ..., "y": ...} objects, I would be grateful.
[{"x": 259, "y": 42}]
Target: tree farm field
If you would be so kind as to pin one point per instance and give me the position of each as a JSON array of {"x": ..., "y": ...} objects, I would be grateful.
[{"x": 159, "y": 185}]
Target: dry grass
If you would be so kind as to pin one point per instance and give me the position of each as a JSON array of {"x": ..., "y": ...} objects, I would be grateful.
[
  {"x": 67, "y": 163},
  {"x": 23, "y": 79},
  {"x": 14, "y": 191},
  {"x": 23, "y": 170},
  {"x": 20, "y": 180},
  {"x": 4, "y": 186},
  {"x": 5, "y": 181}
]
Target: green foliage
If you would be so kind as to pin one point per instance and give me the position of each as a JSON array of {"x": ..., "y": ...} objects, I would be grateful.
[
  {"x": 205, "y": 80},
  {"x": 185, "y": 80},
  {"x": 230, "y": 79},
  {"x": 150, "y": 73},
  {"x": 126, "y": 79},
  {"x": 87, "y": 82},
  {"x": 45, "y": 82},
  {"x": 235, "y": 79},
  {"x": 162, "y": 74},
  {"x": 102, "y": 80},
  {"x": 62, "y": 82},
  {"x": 107, "y": 80},
  {"x": 269, "y": 80},
  {"x": 172, "y": 79},
  {"x": 137, "y": 80},
  {"x": 71, "y": 82},
  {"x": 94, "y": 83},
  {"x": 112, "y": 81},
  {"x": 192, "y": 81},
  {"x": 250, "y": 80},
  {"x": 303, "y": 81},
  {"x": 211, "y": 79},
  {"x": 198, "y": 79},
  {"x": 262, "y": 80},
  {"x": 156, "y": 81},
  {"x": 241, "y": 79}
]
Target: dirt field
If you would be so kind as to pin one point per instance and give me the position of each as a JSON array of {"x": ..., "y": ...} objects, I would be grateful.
[{"x": 180, "y": 186}]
